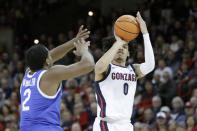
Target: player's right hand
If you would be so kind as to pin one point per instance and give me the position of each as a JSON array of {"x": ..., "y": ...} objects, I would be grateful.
[
  {"x": 81, "y": 47},
  {"x": 118, "y": 39},
  {"x": 82, "y": 33}
]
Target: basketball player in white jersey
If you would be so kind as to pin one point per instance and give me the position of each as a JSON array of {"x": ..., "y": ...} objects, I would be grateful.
[{"x": 116, "y": 83}]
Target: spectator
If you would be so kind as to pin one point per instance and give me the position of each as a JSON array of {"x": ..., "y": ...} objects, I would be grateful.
[
  {"x": 148, "y": 117},
  {"x": 163, "y": 68},
  {"x": 7, "y": 90},
  {"x": 191, "y": 123},
  {"x": 177, "y": 113},
  {"x": 166, "y": 110},
  {"x": 2, "y": 98},
  {"x": 156, "y": 102},
  {"x": 76, "y": 127},
  {"x": 160, "y": 122},
  {"x": 146, "y": 99},
  {"x": 167, "y": 89},
  {"x": 193, "y": 101},
  {"x": 189, "y": 110},
  {"x": 80, "y": 115},
  {"x": 174, "y": 44},
  {"x": 172, "y": 61},
  {"x": 180, "y": 128},
  {"x": 66, "y": 120},
  {"x": 172, "y": 125}
]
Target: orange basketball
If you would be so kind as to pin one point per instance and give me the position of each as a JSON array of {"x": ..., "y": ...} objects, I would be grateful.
[{"x": 126, "y": 27}]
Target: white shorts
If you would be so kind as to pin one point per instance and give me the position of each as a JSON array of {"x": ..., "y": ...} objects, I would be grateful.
[{"x": 100, "y": 125}]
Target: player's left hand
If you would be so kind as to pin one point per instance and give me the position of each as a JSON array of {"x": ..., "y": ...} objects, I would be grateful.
[
  {"x": 81, "y": 47},
  {"x": 142, "y": 23},
  {"x": 82, "y": 33}
]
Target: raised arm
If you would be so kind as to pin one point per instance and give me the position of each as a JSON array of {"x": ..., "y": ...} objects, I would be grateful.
[
  {"x": 85, "y": 65},
  {"x": 149, "y": 64},
  {"x": 103, "y": 63},
  {"x": 60, "y": 51}
]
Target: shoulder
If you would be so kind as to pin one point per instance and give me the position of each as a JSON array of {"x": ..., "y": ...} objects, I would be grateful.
[{"x": 103, "y": 76}]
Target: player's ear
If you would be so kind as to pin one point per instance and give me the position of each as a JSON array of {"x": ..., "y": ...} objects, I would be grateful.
[{"x": 47, "y": 61}]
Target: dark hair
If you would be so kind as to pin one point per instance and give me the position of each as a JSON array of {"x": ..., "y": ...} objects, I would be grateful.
[
  {"x": 107, "y": 42},
  {"x": 36, "y": 57}
]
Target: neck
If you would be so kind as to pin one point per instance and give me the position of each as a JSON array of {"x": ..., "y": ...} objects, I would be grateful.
[{"x": 118, "y": 63}]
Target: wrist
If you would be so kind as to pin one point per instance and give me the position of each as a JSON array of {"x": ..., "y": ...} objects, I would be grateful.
[
  {"x": 118, "y": 43},
  {"x": 146, "y": 35},
  {"x": 84, "y": 52},
  {"x": 145, "y": 32}
]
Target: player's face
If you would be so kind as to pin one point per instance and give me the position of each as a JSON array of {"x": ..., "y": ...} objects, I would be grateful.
[{"x": 122, "y": 53}]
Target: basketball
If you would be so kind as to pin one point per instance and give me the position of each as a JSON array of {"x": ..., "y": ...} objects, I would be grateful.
[{"x": 127, "y": 27}]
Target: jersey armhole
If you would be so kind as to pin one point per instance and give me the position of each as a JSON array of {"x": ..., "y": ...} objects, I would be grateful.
[
  {"x": 41, "y": 92},
  {"x": 132, "y": 67},
  {"x": 105, "y": 74}
]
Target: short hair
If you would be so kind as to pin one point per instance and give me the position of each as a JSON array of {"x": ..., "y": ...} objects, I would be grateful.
[
  {"x": 107, "y": 42},
  {"x": 36, "y": 57},
  {"x": 178, "y": 99}
]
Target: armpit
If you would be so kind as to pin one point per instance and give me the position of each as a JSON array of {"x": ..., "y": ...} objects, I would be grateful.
[{"x": 137, "y": 71}]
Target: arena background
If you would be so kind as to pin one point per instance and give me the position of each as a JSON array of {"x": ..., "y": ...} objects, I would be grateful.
[{"x": 170, "y": 88}]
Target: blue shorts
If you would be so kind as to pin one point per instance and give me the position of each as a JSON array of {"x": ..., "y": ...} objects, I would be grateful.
[{"x": 40, "y": 128}]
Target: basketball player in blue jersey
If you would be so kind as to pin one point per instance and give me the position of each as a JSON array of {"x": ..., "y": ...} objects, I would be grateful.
[
  {"x": 116, "y": 83},
  {"x": 41, "y": 86}
]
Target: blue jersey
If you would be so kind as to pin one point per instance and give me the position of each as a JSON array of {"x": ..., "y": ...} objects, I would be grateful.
[{"x": 39, "y": 112}]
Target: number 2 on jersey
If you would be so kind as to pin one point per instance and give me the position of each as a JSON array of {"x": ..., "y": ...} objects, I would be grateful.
[
  {"x": 28, "y": 94},
  {"x": 125, "y": 88}
]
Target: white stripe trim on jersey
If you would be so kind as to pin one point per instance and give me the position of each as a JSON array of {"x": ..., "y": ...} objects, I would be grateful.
[
  {"x": 30, "y": 76},
  {"x": 42, "y": 93}
]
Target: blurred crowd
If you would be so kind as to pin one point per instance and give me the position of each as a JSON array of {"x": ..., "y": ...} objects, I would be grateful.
[{"x": 165, "y": 100}]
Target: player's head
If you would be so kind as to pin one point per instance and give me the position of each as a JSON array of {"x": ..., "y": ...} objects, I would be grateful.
[{"x": 37, "y": 57}]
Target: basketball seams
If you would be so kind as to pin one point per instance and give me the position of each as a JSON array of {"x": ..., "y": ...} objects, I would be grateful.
[
  {"x": 128, "y": 22},
  {"x": 125, "y": 30},
  {"x": 126, "y": 27}
]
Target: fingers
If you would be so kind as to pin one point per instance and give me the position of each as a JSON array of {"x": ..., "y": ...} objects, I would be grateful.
[
  {"x": 139, "y": 15},
  {"x": 88, "y": 43},
  {"x": 81, "y": 27},
  {"x": 84, "y": 35}
]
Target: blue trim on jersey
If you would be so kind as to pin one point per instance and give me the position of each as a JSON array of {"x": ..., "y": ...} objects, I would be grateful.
[
  {"x": 103, "y": 126},
  {"x": 105, "y": 123},
  {"x": 105, "y": 75},
  {"x": 132, "y": 67},
  {"x": 101, "y": 100},
  {"x": 120, "y": 66}
]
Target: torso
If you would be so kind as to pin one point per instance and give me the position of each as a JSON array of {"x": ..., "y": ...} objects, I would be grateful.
[
  {"x": 115, "y": 92},
  {"x": 36, "y": 106}
]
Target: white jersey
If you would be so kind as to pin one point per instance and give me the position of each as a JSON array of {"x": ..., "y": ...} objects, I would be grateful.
[{"x": 115, "y": 93}]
